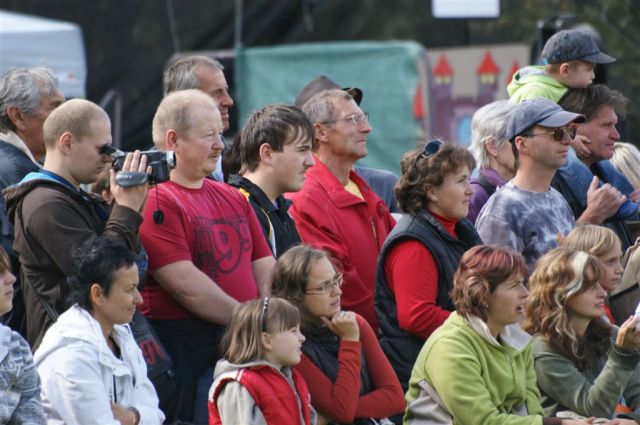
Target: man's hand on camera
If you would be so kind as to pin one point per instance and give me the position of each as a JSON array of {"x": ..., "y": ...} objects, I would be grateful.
[{"x": 132, "y": 197}]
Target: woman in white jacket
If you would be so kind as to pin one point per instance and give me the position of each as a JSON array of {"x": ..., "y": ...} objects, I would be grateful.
[{"x": 91, "y": 368}]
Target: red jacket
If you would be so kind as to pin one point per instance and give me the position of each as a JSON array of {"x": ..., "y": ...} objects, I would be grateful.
[
  {"x": 271, "y": 393},
  {"x": 328, "y": 217}
]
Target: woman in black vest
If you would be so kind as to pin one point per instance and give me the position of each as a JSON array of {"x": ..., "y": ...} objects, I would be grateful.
[
  {"x": 348, "y": 375},
  {"x": 416, "y": 265}
]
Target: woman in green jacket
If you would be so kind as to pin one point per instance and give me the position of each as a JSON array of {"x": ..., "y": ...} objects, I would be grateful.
[
  {"x": 477, "y": 368},
  {"x": 583, "y": 364}
]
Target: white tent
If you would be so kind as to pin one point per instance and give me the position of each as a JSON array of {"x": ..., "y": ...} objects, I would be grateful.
[{"x": 29, "y": 41}]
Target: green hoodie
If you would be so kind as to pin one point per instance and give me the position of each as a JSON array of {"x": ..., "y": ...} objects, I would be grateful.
[
  {"x": 534, "y": 81},
  {"x": 478, "y": 379}
]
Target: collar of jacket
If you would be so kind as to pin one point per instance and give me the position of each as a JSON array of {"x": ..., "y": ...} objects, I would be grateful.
[
  {"x": 339, "y": 196},
  {"x": 258, "y": 194},
  {"x": 78, "y": 324},
  {"x": 512, "y": 335}
]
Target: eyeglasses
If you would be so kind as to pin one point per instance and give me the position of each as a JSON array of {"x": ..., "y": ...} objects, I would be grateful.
[
  {"x": 327, "y": 287},
  {"x": 265, "y": 311},
  {"x": 354, "y": 119},
  {"x": 557, "y": 133}
]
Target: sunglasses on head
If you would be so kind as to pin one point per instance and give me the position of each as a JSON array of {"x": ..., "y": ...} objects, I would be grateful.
[{"x": 430, "y": 148}]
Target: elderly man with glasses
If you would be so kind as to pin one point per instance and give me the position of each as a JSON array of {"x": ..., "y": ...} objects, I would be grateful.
[
  {"x": 526, "y": 214},
  {"x": 336, "y": 210}
]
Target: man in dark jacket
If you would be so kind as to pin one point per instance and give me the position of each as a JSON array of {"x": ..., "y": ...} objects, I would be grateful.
[
  {"x": 52, "y": 215},
  {"x": 27, "y": 97},
  {"x": 275, "y": 150},
  {"x": 601, "y": 106}
]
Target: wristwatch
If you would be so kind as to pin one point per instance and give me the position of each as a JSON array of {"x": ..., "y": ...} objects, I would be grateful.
[{"x": 136, "y": 413}]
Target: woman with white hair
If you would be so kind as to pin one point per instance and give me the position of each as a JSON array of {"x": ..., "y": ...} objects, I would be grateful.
[{"x": 492, "y": 151}]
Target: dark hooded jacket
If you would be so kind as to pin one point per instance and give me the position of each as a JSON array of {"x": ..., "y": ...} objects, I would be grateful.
[{"x": 51, "y": 219}]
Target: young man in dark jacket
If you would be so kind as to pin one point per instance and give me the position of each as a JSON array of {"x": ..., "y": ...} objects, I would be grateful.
[{"x": 275, "y": 150}]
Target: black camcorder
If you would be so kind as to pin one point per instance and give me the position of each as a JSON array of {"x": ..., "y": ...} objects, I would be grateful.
[{"x": 161, "y": 164}]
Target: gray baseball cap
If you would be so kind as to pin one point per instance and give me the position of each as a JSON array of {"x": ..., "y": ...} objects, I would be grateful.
[
  {"x": 539, "y": 111},
  {"x": 569, "y": 45},
  {"x": 324, "y": 83}
]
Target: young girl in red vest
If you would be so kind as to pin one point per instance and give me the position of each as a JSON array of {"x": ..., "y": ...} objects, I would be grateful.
[{"x": 254, "y": 383}]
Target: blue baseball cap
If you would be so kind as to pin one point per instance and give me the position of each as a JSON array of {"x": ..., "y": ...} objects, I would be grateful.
[{"x": 539, "y": 111}]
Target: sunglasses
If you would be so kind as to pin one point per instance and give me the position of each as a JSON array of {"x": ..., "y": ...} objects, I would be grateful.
[
  {"x": 557, "y": 133},
  {"x": 431, "y": 148}
]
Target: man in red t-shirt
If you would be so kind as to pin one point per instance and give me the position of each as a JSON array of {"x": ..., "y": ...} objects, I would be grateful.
[{"x": 205, "y": 245}]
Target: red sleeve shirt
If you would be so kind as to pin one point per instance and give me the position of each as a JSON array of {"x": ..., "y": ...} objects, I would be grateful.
[
  {"x": 340, "y": 400},
  {"x": 412, "y": 275}
]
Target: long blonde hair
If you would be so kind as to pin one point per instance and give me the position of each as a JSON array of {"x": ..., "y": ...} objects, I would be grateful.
[
  {"x": 592, "y": 239},
  {"x": 559, "y": 275}
]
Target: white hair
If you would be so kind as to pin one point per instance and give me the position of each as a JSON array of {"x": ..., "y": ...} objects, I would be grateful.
[{"x": 489, "y": 123}]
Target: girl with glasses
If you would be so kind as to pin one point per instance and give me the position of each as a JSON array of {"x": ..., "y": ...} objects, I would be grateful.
[
  {"x": 418, "y": 259},
  {"x": 350, "y": 380},
  {"x": 254, "y": 382}
]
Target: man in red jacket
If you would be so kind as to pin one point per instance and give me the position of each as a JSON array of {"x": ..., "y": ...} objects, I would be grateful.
[{"x": 336, "y": 210}]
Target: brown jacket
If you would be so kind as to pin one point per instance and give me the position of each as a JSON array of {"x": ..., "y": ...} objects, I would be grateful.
[{"x": 51, "y": 220}]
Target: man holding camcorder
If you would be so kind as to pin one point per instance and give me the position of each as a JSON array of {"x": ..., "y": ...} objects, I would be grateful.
[{"x": 53, "y": 215}]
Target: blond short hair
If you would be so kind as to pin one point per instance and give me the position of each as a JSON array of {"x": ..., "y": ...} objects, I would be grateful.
[
  {"x": 174, "y": 113},
  {"x": 626, "y": 158},
  {"x": 74, "y": 116}
]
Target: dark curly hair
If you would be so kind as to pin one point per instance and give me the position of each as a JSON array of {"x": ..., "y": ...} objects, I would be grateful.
[{"x": 422, "y": 173}]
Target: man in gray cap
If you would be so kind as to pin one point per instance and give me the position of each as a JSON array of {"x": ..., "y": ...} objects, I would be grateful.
[{"x": 526, "y": 214}]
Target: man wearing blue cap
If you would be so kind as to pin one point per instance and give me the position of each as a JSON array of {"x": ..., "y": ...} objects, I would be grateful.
[{"x": 526, "y": 214}]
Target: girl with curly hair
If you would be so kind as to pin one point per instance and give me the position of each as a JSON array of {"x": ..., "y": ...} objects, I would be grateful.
[{"x": 582, "y": 363}]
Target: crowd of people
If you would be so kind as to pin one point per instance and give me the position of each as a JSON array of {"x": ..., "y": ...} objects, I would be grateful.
[{"x": 287, "y": 285}]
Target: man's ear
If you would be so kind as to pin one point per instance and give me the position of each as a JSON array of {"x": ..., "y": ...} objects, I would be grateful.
[
  {"x": 320, "y": 132},
  {"x": 65, "y": 141},
  {"x": 171, "y": 139},
  {"x": 266, "y": 153},
  {"x": 521, "y": 145},
  {"x": 17, "y": 117}
]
